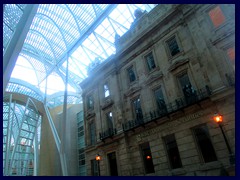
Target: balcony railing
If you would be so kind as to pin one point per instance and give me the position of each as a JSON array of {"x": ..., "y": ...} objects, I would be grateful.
[
  {"x": 107, "y": 133},
  {"x": 172, "y": 107}
]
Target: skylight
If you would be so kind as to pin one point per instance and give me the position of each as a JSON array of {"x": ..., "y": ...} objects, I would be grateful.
[{"x": 59, "y": 32}]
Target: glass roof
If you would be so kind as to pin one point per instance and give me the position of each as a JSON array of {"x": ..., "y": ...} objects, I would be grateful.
[{"x": 61, "y": 33}]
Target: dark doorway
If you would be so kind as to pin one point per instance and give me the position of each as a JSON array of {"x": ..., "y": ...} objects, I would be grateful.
[{"x": 112, "y": 164}]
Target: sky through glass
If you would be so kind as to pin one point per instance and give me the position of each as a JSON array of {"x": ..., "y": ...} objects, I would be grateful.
[{"x": 67, "y": 31}]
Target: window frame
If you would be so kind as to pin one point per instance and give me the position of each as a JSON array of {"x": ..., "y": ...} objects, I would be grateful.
[
  {"x": 107, "y": 120},
  {"x": 146, "y": 61},
  {"x": 190, "y": 78},
  {"x": 89, "y": 107},
  {"x": 168, "y": 153},
  {"x": 230, "y": 62},
  {"x": 201, "y": 155},
  {"x": 163, "y": 95},
  {"x": 146, "y": 163},
  {"x": 173, "y": 36},
  {"x": 128, "y": 75},
  {"x": 94, "y": 167},
  {"x": 210, "y": 19},
  {"x": 106, "y": 90},
  {"x": 92, "y": 137},
  {"x": 135, "y": 116}
]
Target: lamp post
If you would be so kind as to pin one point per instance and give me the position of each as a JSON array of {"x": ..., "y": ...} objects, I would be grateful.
[
  {"x": 218, "y": 119},
  {"x": 98, "y": 157}
]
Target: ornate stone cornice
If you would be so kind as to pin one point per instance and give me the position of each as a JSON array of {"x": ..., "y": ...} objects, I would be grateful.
[
  {"x": 153, "y": 77},
  {"x": 132, "y": 90},
  {"x": 178, "y": 63},
  {"x": 108, "y": 102},
  {"x": 90, "y": 114}
]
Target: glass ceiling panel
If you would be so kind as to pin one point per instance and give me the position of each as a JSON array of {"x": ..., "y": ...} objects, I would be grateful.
[
  {"x": 59, "y": 31},
  {"x": 11, "y": 16},
  {"x": 21, "y": 89},
  {"x": 54, "y": 84},
  {"x": 26, "y": 69},
  {"x": 53, "y": 102}
]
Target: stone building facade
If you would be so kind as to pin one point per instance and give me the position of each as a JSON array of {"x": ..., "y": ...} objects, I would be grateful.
[{"x": 148, "y": 109}]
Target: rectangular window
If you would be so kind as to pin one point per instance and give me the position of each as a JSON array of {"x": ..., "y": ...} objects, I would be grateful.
[
  {"x": 90, "y": 103},
  {"x": 231, "y": 56},
  {"x": 204, "y": 143},
  {"x": 217, "y": 16},
  {"x": 131, "y": 74},
  {"x": 160, "y": 101},
  {"x": 112, "y": 164},
  {"x": 92, "y": 133},
  {"x": 190, "y": 94},
  {"x": 173, "y": 46},
  {"x": 150, "y": 61},
  {"x": 80, "y": 132},
  {"x": 80, "y": 117},
  {"x": 172, "y": 151},
  {"x": 106, "y": 90},
  {"x": 147, "y": 158},
  {"x": 109, "y": 118},
  {"x": 81, "y": 157},
  {"x": 94, "y": 167},
  {"x": 137, "y": 110}
]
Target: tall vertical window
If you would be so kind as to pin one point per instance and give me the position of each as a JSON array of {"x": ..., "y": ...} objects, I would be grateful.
[
  {"x": 92, "y": 133},
  {"x": 188, "y": 91},
  {"x": 217, "y": 16},
  {"x": 80, "y": 116},
  {"x": 131, "y": 74},
  {"x": 150, "y": 61},
  {"x": 204, "y": 143},
  {"x": 106, "y": 90},
  {"x": 160, "y": 100},
  {"x": 173, "y": 46},
  {"x": 81, "y": 161},
  {"x": 147, "y": 158},
  {"x": 184, "y": 80},
  {"x": 172, "y": 151},
  {"x": 112, "y": 160},
  {"x": 109, "y": 122},
  {"x": 90, "y": 102},
  {"x": 231, "y": 56},
  {"x": 81, "y": 133},
  {"x": 94, "y": 167},
  {"x": 137, "y": 110},
  {"x": 81, "y": 144}
]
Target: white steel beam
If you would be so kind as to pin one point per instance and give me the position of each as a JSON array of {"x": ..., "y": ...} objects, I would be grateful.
[{"x": 15, "y": 45}]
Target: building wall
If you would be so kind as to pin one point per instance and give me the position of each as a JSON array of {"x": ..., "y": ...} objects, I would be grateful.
[
  {"x": 49, "y": 157},
  {"x": 204, "y": 56}
]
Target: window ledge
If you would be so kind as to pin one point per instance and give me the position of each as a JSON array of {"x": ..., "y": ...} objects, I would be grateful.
[
  {"x": 132, "y": 90},
  {"x": 210, "y": 165},
  {"x": 153, "y": 77},
  {"x": 90, "y": 114},
  {"x": 108, "y": 102},
  {"x": 178, "y": 62},
  {"x": 153, "y": 70},
  {"x": 176, "y": 56},
  {"x": 178, "y": 171}
]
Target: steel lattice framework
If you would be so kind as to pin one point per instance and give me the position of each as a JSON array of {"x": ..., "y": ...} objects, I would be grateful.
[
  {"x": 20, "y": 137},
  {"x": 79, "y": 33}
]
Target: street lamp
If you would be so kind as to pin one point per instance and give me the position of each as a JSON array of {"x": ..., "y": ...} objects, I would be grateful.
[
  {"x": 98, "y": 158},
  {"x": 218, "y": 119}
]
